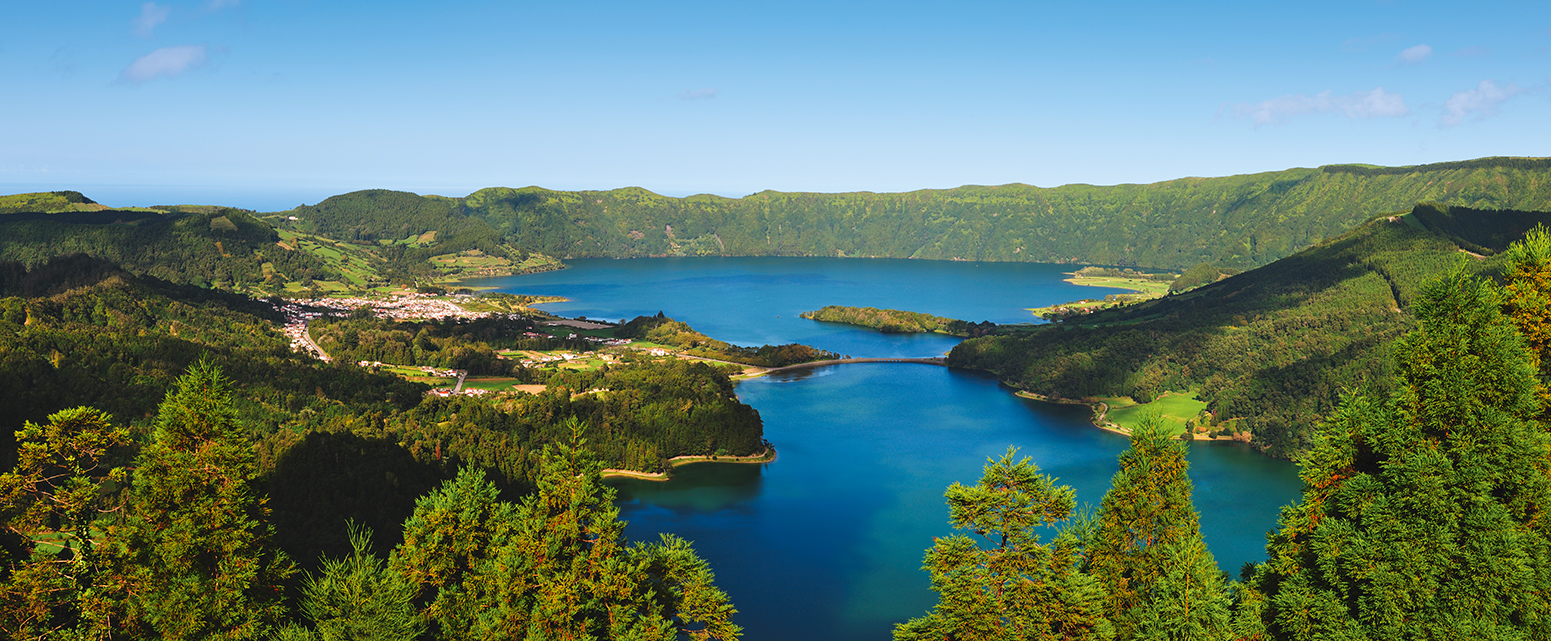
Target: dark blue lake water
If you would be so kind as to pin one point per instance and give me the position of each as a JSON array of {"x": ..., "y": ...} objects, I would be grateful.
[{"x": 827, "y": 541}]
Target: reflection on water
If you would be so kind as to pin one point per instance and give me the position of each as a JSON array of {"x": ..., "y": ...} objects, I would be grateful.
[
  {"x": 837, "y": 526},
  {"x": 800, "y": 374},
  {"x": 705, "y": 487}
]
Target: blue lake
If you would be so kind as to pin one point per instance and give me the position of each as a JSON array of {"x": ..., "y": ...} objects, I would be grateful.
[{"x": 826, "y": 542}]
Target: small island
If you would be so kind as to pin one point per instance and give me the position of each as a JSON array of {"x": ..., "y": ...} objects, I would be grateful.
[{"x": 894, "y": 321}]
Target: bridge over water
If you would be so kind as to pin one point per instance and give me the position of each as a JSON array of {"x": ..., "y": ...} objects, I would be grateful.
[{"x": 844, "y": 361}]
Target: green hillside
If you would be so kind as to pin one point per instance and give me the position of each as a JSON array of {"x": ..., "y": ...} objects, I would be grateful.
[
  {"x": 333, "y": 441},
  {"x": 1234, "y": 221},
  {"x": 210, "y": 247},
  {"x": 234, "y": 249},
  {"x": 48, "y": 202},
  {"x": 1274, "y": 346},
  {"x": 416, "y": 236},
  {"x": 376, "y": 238}
]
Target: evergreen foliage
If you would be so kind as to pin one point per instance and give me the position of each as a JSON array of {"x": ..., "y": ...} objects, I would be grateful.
[
  {"x": 192, "y": 549},
  {"x": 1147, "y": 551},
  {"x": 1424, "y": 513},
  {"x": 1527, "y": 302},
  {"x": 1189, "y": 601},
  {"x": 1012, "y": 586},
  {"x": 79, "y": 331},
  {"x": 357, "y": 598},
  {"x": 55, "y": 493},
  {"x": 553, "y": 566}
]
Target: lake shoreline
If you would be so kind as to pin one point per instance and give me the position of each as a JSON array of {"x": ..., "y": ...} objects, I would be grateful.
[
  {"x": 767, "y": 456},
  {"x": 1100, "y": 410}
]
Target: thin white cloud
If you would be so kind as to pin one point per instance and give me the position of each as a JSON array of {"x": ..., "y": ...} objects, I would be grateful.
[
  {"x": 217, "y": 5},
  {"x": 151, "y": 15},
  {"x": 1361, "y": 104},
  {"x": 1413, "y": 55},
  {"x": 1479, "y": 102},
  {"x": 698, "y": 94},
  {"x": 166, "y": 61}
]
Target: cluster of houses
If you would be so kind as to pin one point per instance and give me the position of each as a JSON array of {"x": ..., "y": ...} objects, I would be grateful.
[
  {"x": 295, "y": 328},
  {"x": 404, "y": 307},
  {"x": 418, "y": 306}
]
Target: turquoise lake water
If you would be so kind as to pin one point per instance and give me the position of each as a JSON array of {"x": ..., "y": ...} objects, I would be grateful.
[{"x": 826, "y": 542}]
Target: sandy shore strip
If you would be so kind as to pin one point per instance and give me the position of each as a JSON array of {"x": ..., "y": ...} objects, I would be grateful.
[{"x": 763, "y": 457}]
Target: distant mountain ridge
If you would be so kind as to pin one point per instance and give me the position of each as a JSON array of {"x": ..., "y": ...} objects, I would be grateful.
[{"x": 1235, "y": 221}]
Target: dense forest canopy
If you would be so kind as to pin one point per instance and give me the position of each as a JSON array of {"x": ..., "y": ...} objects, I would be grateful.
[{"x": 80, "y": 332}]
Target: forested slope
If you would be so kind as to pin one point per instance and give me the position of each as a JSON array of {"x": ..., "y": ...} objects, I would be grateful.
[
  {"x": 332, "y": 441},
  {"x": 206, "y": 246},
  {"x": 1236, "y": 221},
  {"x": 1274, "y": 346}
]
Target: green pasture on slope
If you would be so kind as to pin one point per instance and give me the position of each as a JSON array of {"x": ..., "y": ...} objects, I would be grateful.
[{"x": 1173, "y": 408}]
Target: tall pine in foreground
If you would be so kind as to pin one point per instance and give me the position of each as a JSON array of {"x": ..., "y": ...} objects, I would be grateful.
[
  {"x": 554, "y": 566},
  {"x": 1008, "y": 585},
  {"x": 1527, "y": 302},
  {"x": 50, "y": 569},
  {"x": 192, "y": 549},
  {"x": 1424, "y": 515},
  {"x": 1148, "y": 551}
]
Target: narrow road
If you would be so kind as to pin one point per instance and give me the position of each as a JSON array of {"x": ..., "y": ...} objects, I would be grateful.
[{"x": 307, "y": 336}]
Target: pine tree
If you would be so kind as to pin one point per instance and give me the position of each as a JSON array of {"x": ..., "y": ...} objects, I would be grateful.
[
  {"x": 1014, "y": 587},
  {"x": 1189, "y": 601},
  {"x": 555, "y": 566},
  {"x": 192, "y": 550},
  {"x": 1147, "y": 551},
  {"x": 1527, "y": 302},
  {"x": 447, "y": 541},
  {"x": 358, "y": 598},
  {"x": 56, "y": 492},
  {"x": 1423, "y": 516}
]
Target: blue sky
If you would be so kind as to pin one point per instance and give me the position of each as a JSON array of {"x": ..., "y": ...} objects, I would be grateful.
[{"x": 272, "y": 103}]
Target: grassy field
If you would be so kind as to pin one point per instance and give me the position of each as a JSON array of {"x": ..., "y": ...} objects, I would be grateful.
[
  {"x": 1155, "y": 288},
  {"x": 351, "y": 261},
  {"x": 414, "y": 375},
  {"x": 491, "y": 383},
  {"x": 1145, "y": 290},
  {"x": 509, "y": 304},
  {"x": 474, "y": 263},
  {"x": 1173, "y": 408}
]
